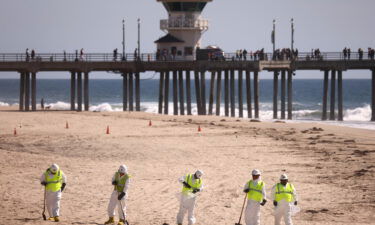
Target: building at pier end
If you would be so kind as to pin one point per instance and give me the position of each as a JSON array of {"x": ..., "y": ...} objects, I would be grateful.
[{"x": 184, "y": 28}]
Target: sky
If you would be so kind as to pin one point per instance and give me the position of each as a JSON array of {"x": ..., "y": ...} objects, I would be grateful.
[{"x": 96, "y": 25}]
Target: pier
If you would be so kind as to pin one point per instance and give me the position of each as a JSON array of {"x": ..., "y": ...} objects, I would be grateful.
[{"x": 332, "y": 66}]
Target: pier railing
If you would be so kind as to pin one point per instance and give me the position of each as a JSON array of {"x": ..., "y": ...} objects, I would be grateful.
[{"x": 149, "y": 57}]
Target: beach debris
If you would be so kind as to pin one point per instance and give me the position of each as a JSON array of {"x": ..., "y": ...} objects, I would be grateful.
[
  {"x": 66, "y": 125},
  {"x": 15, "y": 132},
  {"x": 254, "y": 120},
  {"x": 279, "y": 121},
  {"x": 150, "y": 123},
  {"x": 212, "y": 123},
  {"x": 107, "y": 132},
  {"x": 199, "y": 128}
]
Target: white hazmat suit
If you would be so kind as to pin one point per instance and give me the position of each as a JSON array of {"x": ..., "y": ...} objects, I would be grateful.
[
  {"x": 187, "y": 201},
  {"x": 53, "y": 198},
  {"x": 113, "y": 201},
  {"x": 283, "y": 208},
  {"x": 252, "y": 211}
]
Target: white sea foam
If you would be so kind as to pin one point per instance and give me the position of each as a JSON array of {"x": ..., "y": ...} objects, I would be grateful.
[
  {"x": 358, "y": 114},
  {"x": 4, "y": 104}
]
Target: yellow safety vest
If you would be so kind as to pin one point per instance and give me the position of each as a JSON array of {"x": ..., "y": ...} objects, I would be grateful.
[
  {"x": 120, "y": 180},
  {"x": 189, "y": 179},
  {"x": 53, "y": 183},
  {"x": 284, "y": 192},
  {"x": 255, "y": 191}
]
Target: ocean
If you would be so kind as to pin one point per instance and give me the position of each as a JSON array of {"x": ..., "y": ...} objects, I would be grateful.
[{"x": 106, "y": 95}]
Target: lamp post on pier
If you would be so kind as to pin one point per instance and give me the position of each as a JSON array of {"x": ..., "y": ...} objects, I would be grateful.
[
  {"x": 123, "y": 40},
  {"x": 139, "y": 38},
  {"x": 273, "y": 36},
  {"x": 292, "y": 26}
]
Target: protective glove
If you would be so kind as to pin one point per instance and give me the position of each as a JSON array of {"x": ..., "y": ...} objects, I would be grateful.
[
  {"x": 264, "y": 202},
  {"x": 196, "y": 190},
  {"x": 275, "y": 203},
  {"x": 63, "y": 187},
  {"x": 246, "y": 190},
  {"x": 186, "y": 184},
  {"x": 121, "y": 195},
  {"x": 114, "y": 182},
  {"x": 295, "y": 203},
  {"x": 43, "y": 183}
]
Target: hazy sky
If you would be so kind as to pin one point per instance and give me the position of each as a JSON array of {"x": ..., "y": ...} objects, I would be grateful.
[{"x": 96, "y": 25}]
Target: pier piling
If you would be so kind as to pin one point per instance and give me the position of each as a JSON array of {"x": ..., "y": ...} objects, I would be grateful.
[
  {"x": 203, "y": 92},
  {"x": 166, "y": 93},
  {"x": 226, "y": 92},
  {"x": 256, "y": 94},
  {"x": 325, "y": 95},
  {"x": 86, "y": 91},
  {"x": 333, "y": 98},
  {"x": 283, "y": 92},
  {"x": 212, "y": 88},
  {"x": 181, "y": 92},
  {"x": 27, "y": 92},
  {"x": 198, "y": 92},
  {"x": 161, "y": 90},
  {"x": 79, "y": 91},
  {"x": 72, "y": 90},
  {"x": 275, "y": 90},
  {"x": 248, "y": 94},
  {"x": 22, "y": 91},
  {"x": 218, "y": 93},
  {"x": 339, "y": 96},
  {"x": 175, "y": 93},
  {"x": 33, "y": 91},
  {"x": 240, "y": 99},
  {"x": 137, "y": 92},
  {"x": 125, "y": 91},
  {"x": 188, "y": 92},
  {"x": 232, "y": 94},
  {"x": 290, "y": 94},
  {"x": 131, "y": 92}
]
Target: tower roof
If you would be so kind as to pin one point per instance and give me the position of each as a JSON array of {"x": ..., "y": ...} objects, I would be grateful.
[
  {"x": 184, "y": 5},
  {"x": 169, "y": 39}
]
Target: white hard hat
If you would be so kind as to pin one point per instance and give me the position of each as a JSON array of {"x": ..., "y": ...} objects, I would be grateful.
[
  {"x": 54, "y": 168},
  {"x": 123, "y": 169},
  {"x": 255, "y": 172},
  {"x": 199, "y": 173},
  {"x": 283, "y": 177}
]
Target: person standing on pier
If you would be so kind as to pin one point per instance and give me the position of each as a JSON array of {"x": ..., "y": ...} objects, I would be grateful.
[
  {"x": 256, "y": 197},
  {"x": 115, "y": 54},
  {"x": 54, "y": 181},
  {"x": 192, "y": 184},
  {"x": 284, "y": 195},
  {"x": 27, "y": 54},
  {"x": 81, "y": 54},
  {"x": 120, "y": 181}
]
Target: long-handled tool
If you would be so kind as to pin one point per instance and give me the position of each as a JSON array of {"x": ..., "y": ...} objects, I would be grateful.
[
  {"x": 243, "y": 205},
  {"x": 44, "y": 205},
  {"x": 123, "y": 214}
]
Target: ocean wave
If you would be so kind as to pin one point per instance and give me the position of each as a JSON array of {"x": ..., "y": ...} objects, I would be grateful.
[
  {"x": 358, "y": 114},
  {"x": 4, "y": 104}
]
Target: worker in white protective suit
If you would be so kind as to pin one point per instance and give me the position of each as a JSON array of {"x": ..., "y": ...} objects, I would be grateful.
[
  {"x": 120, "y": 181},
  {"x": 284, "y": 195},
  {"x": 192, "y": 184},
  {"x": 54, "y": 181},
  {"x": 256, "y": 197}
]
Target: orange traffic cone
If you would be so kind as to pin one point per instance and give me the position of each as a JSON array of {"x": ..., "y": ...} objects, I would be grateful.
[
  {"x": 15, "y": 132},
  {"x": 107, "y": 130},
  {"x": 199, "y": 128},
  {"x": 66, "y": 125},
  {"x": 150, "y": 123}
]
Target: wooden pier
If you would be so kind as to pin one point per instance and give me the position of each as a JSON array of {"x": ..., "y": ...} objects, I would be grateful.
[{"x": 332, "y": 66}]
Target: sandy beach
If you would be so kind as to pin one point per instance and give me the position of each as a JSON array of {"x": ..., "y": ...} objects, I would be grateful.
[{"x": 331, "y": 167}]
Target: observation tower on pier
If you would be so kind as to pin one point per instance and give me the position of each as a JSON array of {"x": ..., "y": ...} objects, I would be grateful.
[{"x": 184, "y": 28}]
